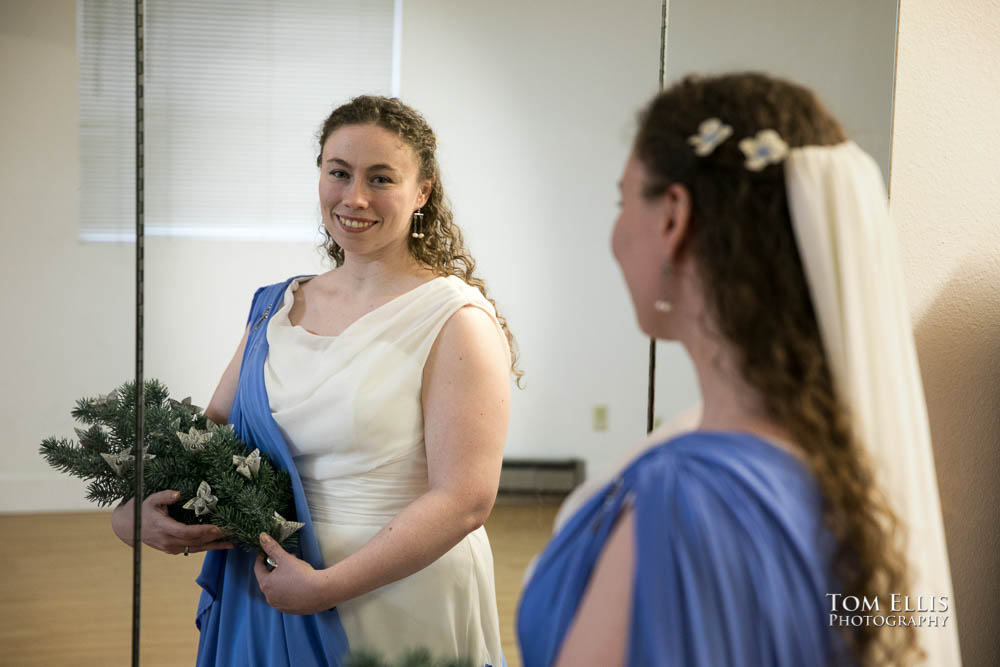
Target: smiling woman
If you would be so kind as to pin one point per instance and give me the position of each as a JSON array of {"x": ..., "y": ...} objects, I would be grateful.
[
  {"x": 383, "y": 386},
  {"x": 363, "y": 185},
  {"x": 400, "y": 139}
]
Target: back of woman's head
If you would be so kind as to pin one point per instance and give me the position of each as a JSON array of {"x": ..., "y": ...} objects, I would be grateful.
[{"x": 741, "y": 239}]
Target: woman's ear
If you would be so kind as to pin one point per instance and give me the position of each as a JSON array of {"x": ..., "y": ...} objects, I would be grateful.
[
  {"x": 424, "y": 191},
  {"x": 676, "y": 220}
]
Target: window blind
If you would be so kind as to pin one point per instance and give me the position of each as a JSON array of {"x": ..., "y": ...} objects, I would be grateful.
[{"x": 235, "y": 93}]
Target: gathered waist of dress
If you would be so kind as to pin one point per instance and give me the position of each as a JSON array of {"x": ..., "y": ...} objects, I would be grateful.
[{"x": 369, "y": 498}]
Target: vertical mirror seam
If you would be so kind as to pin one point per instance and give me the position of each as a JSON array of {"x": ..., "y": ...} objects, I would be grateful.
[
  {"x": 139, "y": 393},
  {"x": 651, "y": 398}
]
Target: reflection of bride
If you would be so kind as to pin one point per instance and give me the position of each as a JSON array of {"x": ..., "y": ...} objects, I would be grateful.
[
  {"x": 387, "y": 399},
  {"x": 776, "y": 269}
]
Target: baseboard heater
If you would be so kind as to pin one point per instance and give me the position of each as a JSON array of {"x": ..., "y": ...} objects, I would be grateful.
[{"x": 541, "y": 476}]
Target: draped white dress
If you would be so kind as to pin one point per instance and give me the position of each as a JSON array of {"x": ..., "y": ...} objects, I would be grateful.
[{"x": 349, "y": 407}]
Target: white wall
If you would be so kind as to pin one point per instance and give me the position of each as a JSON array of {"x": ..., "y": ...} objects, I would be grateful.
[
  {"x": 946, "y": 201},
  {"x": 843, "y": 50},
  {"x": 534, "y": 106},
  {"x": 68, "y": 307}
]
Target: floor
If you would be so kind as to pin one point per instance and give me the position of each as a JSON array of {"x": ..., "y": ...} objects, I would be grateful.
[{"x": 66, "y": 589}]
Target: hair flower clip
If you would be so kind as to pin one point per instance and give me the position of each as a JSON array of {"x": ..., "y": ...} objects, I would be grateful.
[
  {"x": 711, "y": 133},
  {"x": 766, "y": 148}
]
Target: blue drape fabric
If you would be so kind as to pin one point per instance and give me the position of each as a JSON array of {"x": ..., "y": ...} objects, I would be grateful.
[
  {"x": 732, "y": 560},
  {"x": 238, "y": 627}
]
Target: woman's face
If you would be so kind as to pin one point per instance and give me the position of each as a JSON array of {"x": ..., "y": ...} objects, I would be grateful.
[
  {"x": 369, "y": 189},
  {"x": 638, "y": 244}
]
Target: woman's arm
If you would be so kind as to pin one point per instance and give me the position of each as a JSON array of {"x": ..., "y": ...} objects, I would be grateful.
[
  {"x": 222, "y": 400},
  {"x": 465, "y": 396},
  {"x": 599, "y": 632}
]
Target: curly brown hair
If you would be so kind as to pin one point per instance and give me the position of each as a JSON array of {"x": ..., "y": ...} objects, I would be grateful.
[
  {"x": 442, "y": 248},
  {"x": 741, "y": 237}
]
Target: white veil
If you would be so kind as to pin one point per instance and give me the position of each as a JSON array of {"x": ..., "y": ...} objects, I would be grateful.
[{"x": 840, "y": 216}]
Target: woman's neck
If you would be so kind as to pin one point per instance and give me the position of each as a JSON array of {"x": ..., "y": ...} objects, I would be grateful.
[
  {"x": 729, "y": 402},
  {"x": 375, "y": 274}
]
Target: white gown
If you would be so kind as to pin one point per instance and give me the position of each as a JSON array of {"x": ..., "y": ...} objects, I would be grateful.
[{"x": 349, "y": 407}]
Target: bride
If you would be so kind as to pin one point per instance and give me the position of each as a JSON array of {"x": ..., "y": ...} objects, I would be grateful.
[{"x": 382, "y": 386}]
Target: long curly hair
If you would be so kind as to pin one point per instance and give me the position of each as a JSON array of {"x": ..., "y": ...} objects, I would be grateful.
[
  {"x": 442, "y": 248},
  {"x": 741, "y": 237}
]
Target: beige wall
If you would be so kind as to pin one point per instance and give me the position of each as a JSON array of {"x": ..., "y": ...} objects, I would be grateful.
[{"x": 946, "y": 201}]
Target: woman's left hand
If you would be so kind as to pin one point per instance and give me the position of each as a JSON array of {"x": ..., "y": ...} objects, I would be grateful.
[{"x": 293, "y": 586}]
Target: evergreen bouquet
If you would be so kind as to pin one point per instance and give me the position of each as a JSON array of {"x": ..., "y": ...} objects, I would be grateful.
[{"x": 216, "y": 474}]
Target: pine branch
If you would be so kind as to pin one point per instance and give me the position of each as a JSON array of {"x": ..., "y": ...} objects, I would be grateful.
[{"x": 244, "y": 506}]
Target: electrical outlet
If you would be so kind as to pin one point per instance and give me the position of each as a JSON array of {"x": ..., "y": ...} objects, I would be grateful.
[{"x": 600, "y": 418}]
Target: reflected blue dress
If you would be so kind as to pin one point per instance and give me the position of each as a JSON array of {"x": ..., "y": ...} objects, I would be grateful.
[
  {"x": 732, "y": 560},
  {"x": 238, "y": 627}
]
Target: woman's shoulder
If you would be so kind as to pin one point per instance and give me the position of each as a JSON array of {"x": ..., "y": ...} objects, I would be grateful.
[
  {"x": 728, "y": 527},
  {"x": 465, "y": 316},
  {"x": 449, "y": 298},
  {"x": 266, "y": 298},
  {"x": 456, "y": 288},
  {"x": 280, "y": 286},
  {"x": 719, "y": 448},
  {"x": 730, "y": 470}
]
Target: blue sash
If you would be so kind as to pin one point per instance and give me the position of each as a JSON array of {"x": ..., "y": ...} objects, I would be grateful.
[
  {"x": 732, "y": 560},
  {"x": 238, "y": 627}
]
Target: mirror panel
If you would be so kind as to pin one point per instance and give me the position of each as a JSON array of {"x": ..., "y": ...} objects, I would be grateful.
[
  {"x": 68, "y": 334},
  {"x": 533, "y": 186},
  {"x": 534, "y": 121},
  {"x": 844, "y": 51},
  {"x": 534, "y": 108}
]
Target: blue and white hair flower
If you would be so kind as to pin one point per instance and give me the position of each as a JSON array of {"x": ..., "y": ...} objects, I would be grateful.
[
  {"x": 711, "y": 133},
  {"x": 766, "y": 148}
]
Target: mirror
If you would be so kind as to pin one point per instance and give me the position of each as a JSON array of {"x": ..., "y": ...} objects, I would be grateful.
[
  {"x": 845, "y": 52},
  {"x": 534, "y": 108},
  {"x": 69, "y": 334},
  {"x": 533, "y": 187}
]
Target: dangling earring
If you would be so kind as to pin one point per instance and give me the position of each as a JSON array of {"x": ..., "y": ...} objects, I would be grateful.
[
  {"x": 418, "y": 223},
  {"x": 662, "y": 305}
]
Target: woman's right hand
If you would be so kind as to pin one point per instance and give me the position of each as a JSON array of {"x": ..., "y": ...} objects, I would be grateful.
[{"x": 163, "y": 533}]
